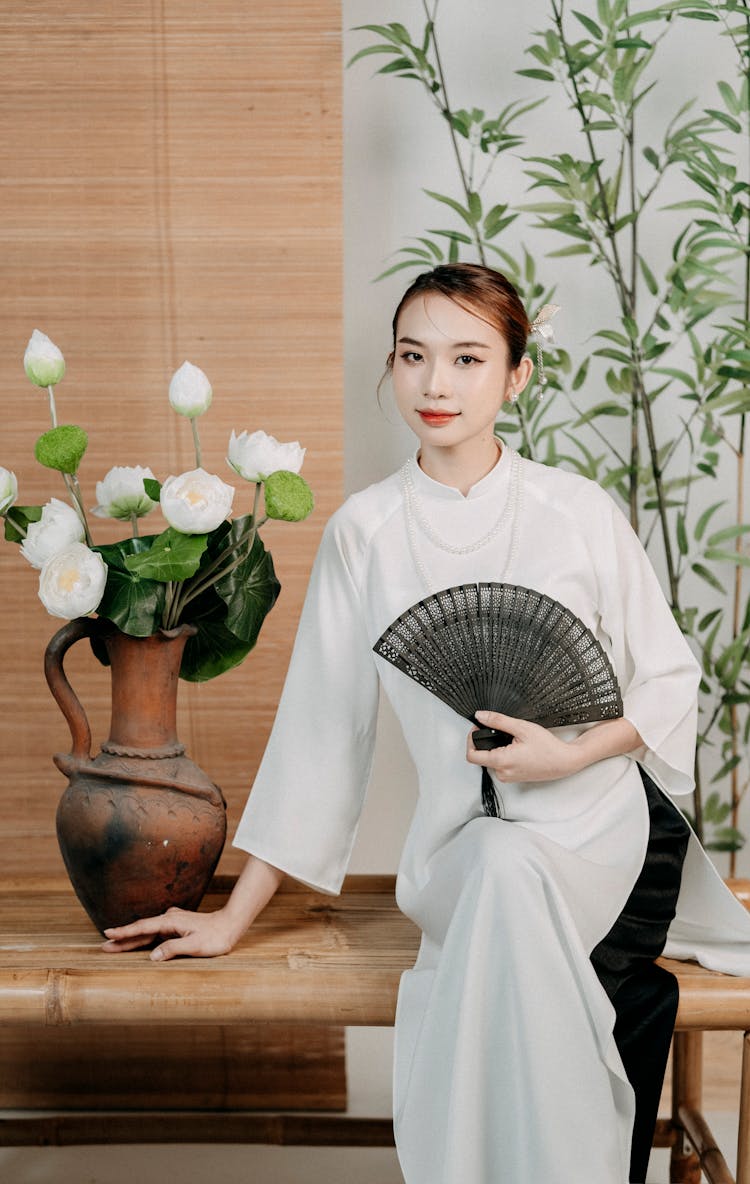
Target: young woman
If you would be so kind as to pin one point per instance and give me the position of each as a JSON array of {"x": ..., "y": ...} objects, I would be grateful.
[{"x": 532, "y": 1032}]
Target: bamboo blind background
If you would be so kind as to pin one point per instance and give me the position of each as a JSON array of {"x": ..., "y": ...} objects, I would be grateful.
[{"x": 170, "y": 189}]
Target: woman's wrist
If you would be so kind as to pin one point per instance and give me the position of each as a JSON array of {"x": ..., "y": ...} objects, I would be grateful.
[{"x": 613, "y": 737}]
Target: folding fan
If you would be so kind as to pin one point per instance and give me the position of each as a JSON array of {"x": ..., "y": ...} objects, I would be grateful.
[{"x": 500, "y": 647}]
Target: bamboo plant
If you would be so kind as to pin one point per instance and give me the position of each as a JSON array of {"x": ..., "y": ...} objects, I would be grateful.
[{"x": 676, "y": 363}]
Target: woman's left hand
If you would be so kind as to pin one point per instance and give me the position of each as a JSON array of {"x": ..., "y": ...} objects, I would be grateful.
[{"x": 534, "y": 755}]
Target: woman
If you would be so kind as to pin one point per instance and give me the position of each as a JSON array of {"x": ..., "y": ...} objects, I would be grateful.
[{"x": 532, "y": 1032}]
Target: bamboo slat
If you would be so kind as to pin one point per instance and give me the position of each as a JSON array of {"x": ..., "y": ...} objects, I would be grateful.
[{"x": 196, "y": 1067}]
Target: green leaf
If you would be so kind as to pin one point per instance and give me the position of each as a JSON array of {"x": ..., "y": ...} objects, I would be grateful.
[
  {"x": 20, "y": 516},
  {"x": 62, "y": 448},
  {"x": 171, "y": 556},
  {"x": 598, "y": 410},
  {"x": 574, "y": 249},
  {"x": 454, "y": 205},
  {"x": 648, "y": 276},
  {"x": 682, "y": 539},
  {"x": 703, "y": 521},
  {"x": 152, "y": 488},
  {"x": 214, "y": 648},
  {"x": 540, "y": 75},
  {"x": 708, "y": 576},
  {"x": 589, "y": 25},
  {"x": 249, "y": 591},
  {"x": 727, "y": 557},
  {"x": 727, "y": 767},
  {"x": 726, "y": 838},
  {"x": 580, "y": 375},
  {"x": 475, "y": 207},
  {"x": 733, "y": 104},
  {"x": 369, "y": 49},
  {"x": 133, "y": 604},
  {"x": 729, "y": 532},
  {"x": 733, "y": 124}
]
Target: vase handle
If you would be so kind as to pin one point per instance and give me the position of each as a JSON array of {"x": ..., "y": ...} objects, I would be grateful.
[{"x": 64, "y": 695}]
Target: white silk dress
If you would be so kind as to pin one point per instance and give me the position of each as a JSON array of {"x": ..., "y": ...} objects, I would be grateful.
[{"x": 505, "y": 1068}]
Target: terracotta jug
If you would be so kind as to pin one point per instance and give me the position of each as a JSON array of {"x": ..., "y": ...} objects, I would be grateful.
[{"x": 141, "y": 827}]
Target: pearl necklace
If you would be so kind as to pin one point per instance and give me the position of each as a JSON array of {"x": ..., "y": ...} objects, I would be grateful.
[{"x": 415, "y": 515}]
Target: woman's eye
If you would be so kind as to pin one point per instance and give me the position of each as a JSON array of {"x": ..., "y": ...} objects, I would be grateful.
[
  {"x": 411, "y": 355},
  {"x": 466, "y": 359}
]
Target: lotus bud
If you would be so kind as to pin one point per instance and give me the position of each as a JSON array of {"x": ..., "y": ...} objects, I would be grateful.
[
  {"x": 43, "y": 361},
  {"x": 190, "y": 391},
  {"x": 8, "y": 489}
]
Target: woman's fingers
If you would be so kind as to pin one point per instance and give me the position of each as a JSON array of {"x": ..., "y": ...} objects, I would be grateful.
[
  {"x": 122, "y": 946},
  {"x": 202, "y": 935},
  {"x": 502, "y": 723}
]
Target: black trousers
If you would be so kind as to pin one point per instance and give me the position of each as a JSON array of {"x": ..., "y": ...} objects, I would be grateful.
[{"x": 644, "y": 995}]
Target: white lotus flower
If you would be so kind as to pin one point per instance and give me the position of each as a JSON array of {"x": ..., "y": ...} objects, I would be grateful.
[
  {"x": 71, "y": 583},
  {"x": 190, "y": 391},
  {"x": 258, "y": 455},
  {"x": 195, "y": 502},
  {"x": 43, "y": 361},
  {"x": 121, "y": 493},
  {"x": 8, "y": 489},
  {"x": 58, "y": 527}
]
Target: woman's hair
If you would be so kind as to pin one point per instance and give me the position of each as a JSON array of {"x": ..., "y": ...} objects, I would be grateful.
[{"x": 479, "y": 290}]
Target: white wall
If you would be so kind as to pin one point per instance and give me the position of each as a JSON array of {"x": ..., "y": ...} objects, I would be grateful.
[{"x": 395, "y": 146}]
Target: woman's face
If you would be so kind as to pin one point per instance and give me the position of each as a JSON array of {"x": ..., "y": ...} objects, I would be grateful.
[{"x": 451, "y": 373}]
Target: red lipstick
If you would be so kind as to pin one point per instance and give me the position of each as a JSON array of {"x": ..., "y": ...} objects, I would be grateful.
[{"x": 437, "y": 418}]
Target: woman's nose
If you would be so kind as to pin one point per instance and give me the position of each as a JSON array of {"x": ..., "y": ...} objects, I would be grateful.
[{"x": 434, "y": 382}]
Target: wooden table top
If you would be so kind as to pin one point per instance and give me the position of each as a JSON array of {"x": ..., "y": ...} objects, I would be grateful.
[{"x": 307, "y": 958}]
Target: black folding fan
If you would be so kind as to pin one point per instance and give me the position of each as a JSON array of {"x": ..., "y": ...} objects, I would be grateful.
[{"x": 500, "y": 647}]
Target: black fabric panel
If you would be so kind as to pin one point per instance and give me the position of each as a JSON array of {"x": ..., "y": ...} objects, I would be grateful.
[{"x": 645, "y": 996}]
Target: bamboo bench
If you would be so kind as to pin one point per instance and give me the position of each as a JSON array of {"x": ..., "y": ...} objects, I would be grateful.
[{"x": 309, "y": 959}]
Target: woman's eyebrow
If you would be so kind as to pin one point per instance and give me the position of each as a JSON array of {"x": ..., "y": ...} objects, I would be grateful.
[{"x": 454, "y": 345}]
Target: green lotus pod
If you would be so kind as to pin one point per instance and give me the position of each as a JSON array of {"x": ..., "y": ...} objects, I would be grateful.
[
  {"x": 288, "y": 496},
  {"x": 62, "y": 448}
]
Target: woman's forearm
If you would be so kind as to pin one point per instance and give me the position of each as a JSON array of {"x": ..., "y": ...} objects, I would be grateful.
[
  {"x": 255, "y": 886},
  {"x": 613, "y": 737}
]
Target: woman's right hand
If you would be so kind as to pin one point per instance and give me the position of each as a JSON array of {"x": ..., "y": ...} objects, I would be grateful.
[
  {"x": 196, "y": 935},
  {"x": 201, "y": 935}
]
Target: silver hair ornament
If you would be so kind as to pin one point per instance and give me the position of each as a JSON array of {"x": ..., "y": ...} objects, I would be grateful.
[{"x": 544, "y": 335}]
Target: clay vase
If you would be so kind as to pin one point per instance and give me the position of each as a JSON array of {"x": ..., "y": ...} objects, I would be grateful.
[{"x": 140, "y": 827}]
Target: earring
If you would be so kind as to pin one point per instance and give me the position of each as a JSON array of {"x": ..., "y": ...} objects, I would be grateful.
[{"x": 514, "y": 395}]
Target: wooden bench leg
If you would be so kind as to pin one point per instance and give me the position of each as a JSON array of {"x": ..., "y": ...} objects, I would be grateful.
[
  {"x": 687, "y": 1088},
  {"x": 743, "y": 1138}
]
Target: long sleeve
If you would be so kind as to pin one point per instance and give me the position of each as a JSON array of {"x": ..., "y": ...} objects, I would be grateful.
[
  {"x": 304, "y": 808},
  {"x": 658, "y": 673}
]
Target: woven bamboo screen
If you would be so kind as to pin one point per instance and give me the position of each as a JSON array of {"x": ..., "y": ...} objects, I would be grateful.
[{"x": 170, "y": 190}]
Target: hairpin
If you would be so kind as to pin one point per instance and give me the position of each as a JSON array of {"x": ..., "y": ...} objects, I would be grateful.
[{"x": 544, "y": 336}]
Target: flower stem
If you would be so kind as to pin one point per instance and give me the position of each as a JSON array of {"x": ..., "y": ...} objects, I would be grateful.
[
  {"x": 134, "y": 524},
  {"x": 196, "y": 441},
  {"x": 74, "y": 489},
  {"x": 52, "y": 408},
  {"x": 16, "y": 525},
  {"x": 215, "y": 571},
  {"x": 166, "y": 622}
]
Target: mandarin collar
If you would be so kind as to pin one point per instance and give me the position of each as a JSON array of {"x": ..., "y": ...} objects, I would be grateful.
[{"x": 489, "y": 485}]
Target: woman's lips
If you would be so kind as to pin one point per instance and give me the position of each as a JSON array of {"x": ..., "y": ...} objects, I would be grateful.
[{"x": 436, "y": 418}]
